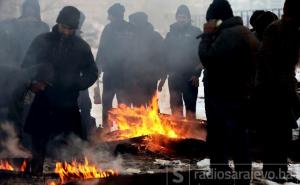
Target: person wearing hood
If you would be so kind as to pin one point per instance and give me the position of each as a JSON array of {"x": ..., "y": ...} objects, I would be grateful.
[
  {"x": 113, "y": 54},
  {"x": 183, "y": 64},
  {"x": 227, "y": 52},
  {"x": 54, "y": 110},
  {"x": 20, "y": 32},
  {"x": 145, "y": 67},
  {"x": 260, "y": 20},
  {"x": 278, "y": 102}
]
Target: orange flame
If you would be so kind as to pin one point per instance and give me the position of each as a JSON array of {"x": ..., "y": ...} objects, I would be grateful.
[
  {"x": 81, "y": 171},
  {"x": 5, "y": 165},
  {"x": 23, "y": 166},
  {"x": 143, "y": 122},
  {"x": 51, "y": 183}
]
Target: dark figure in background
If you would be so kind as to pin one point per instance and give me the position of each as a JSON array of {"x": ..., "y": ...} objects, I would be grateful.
[
  {"x": 84, "y": 101},
  {"x": 145, "y": 67},
  {"x": 113, "y": 54},
  {"x": 54, "y": 110},
  {"x": 260, "y": 20},
  {"x": 227, "y": 51},
  {"x": 17, "y": 34},
  {"x": 278, "y": 103},
  {"x": 183, "y": 64},
  {"x": 14, "y": 84}
]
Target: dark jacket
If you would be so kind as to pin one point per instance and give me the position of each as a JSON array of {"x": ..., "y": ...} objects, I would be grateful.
[
  {"x": 114, "y": 47},
  {"x": 16, "y": 36},
  {"x": 181, "y": 46},
  {"x": 228, "y": 57},
  {"x": 14, "y": 84},
  {"x": 146, "y": 62},
  {"x": 277, "y": 60},
  {"x": 73, "y": 70}
]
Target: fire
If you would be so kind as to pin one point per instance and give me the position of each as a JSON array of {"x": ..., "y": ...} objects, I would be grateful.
[
  {"x": 81, "y": 171},
  {"x": 23, "y": 166},
  {"x": 7, "y": 166},
  {"x": 143, "y": 121}
]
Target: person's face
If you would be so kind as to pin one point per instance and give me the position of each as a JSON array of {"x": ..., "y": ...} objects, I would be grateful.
[
  {"x": 65, "y": 30},
  {"x": 182, "y": 19}
]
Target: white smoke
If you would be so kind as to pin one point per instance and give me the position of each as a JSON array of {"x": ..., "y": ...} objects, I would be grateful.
[
  {"x": 10, "y": 146},
  {"x": 73, "y": 148}
]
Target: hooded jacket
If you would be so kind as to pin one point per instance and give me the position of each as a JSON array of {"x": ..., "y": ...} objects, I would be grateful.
[
  {"x": 181, "y": 46},
  {"x": 228, "y": 57},
  {"x": 72, "y": 64}
]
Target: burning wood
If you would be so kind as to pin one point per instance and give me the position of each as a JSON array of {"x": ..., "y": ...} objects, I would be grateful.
[
  {"x": 5, "y": 165},
  {"x": 142, "y": 121},
  {"x": 81, "y": 171}
]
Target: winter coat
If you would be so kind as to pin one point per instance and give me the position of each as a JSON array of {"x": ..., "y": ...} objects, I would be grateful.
[
  {"x": 16, "y": 36},
  {"x": 181, "y": 46},
  {"x": 14, "y": 84},
  {"x": 114, "y": 49},
  {"x": 228, "y": 57},
  {"x": 276, "y": 83},
  {"x": 145, "y": 64},
  {"x": 73, "y": 69}
]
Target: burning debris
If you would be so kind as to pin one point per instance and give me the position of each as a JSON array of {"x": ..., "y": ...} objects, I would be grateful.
[
  {"x": 141, "y": 121},
  {"x": 6, "y": 165},
  {"x": 145, "y": 129},
  {"x": 81, "y": 171}
]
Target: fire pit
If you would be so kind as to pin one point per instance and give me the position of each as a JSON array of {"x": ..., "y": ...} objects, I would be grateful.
[{"x": 144, "y": 139}]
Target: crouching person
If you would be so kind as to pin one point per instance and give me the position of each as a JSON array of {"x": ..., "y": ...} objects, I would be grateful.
[{"x": 54, "y": 110}]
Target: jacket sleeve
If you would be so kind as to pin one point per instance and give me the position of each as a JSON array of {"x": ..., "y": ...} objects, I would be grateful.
[
  {"x": 166, "y": 56},
  {"x": 101, "y": 54},
  {"x": 199, "y": 66},
  {"x": 214, "y": 47},
  {"x": 32, "y": 56},
  {"x": 89, "y": 72},
  {"x": 267, "y": 54}
]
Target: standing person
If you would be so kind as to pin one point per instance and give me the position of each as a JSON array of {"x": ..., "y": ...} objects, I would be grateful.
[
  {"x": 84, "y": 101},
  {"x": 181, "y": 45},
  {"x": 276, "y": 89},
  {"x": 260, "y": 20},
  {"x": 54, "y": 110},
  {"x": 20, "y": 32},
  {"x": 113, "y": 54},
  {"x": 146, "y": 64},
  {"x": 16, "y": 36},
  {"x": 227, "y": 51}
]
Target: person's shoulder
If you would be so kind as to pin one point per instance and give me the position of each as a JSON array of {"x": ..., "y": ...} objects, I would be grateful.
[
  {"x": 44, "y": 26},
  {"x": 43, "y": 37},
  {"x": 274, "y": 29},
  {"x": 81, "y": 44},
  {"x": 195, "y": 29},
  {"x": 157, "y": 35}
]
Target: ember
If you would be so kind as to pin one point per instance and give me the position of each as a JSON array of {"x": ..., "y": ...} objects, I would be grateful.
[
  {"x": 7, "y": 166},
  {"x": 81, "y": 171}
]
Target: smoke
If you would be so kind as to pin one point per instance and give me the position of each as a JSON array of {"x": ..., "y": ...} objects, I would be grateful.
[
  {"x": 10, "y": 146},
  {"x": 71, "y": 147}
]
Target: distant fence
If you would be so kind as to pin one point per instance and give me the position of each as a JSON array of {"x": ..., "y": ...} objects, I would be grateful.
[{"x": 199, "y": 20}]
